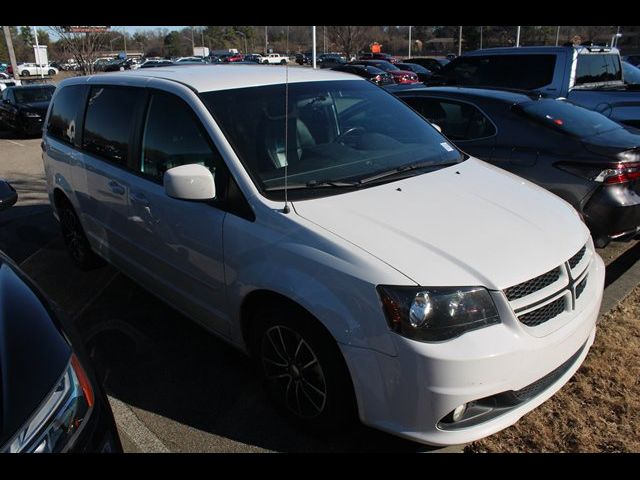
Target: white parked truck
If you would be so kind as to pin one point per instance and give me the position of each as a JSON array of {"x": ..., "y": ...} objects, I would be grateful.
[
  {"x": 200, "y": 52},
  {"x": 275, "y": 58}
]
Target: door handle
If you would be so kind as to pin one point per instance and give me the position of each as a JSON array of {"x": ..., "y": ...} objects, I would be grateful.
[
  {"x": 139, "y": 199},
  {"x": 115, "y": 187}
]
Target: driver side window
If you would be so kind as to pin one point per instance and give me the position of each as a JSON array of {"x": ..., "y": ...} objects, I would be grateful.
[{"x": 173, "y": 136}]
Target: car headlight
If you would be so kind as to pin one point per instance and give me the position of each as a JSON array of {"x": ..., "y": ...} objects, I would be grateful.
[
  {"x": 435, "y": 314},
  {"x": 53, "y": 426},
  {"x": 31, "y": 114}
]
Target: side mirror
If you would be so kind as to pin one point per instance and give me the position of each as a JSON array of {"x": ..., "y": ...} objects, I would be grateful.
[
  {"x": 436, "y": 126},
  {"x": 8, "y": 195},
  {"x": 189, "y": 182}
]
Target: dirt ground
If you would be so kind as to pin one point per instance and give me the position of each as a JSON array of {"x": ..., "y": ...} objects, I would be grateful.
[{"x": 599, "y": 409}]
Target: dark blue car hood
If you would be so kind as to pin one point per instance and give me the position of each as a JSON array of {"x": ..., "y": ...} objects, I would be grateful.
[{"x": 33, "y": 352}]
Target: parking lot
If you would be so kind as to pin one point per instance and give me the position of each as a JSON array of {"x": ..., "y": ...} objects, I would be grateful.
[{"x": 172, "y": 386}]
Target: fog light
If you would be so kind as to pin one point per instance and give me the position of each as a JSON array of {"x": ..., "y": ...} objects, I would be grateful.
[{"x": 459, "y": 412}]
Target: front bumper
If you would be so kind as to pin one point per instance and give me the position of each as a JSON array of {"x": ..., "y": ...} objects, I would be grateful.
[{"x": 410, "y": 394}]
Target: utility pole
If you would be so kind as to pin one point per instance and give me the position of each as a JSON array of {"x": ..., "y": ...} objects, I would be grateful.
[
  {"x": 193, "y": 43},
  {"x": 314, "y": 47},
  {"x": 557, "y": 36},
  {"x": 266, "y": 41},
  {"x": 38, "y": 63},
  {"x": 460, "y": 42},
  {"x": 409, "y": 41},
  {"x": 124, "y": 40},
  {"x": 518, "y": 37},
  {"x": 481, "y": 37},
  {"x": 12, "y": 54}
]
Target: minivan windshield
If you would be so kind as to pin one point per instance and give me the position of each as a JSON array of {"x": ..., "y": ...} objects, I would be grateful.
[
  {"x": 566, "y": 117},
  {"x": 339, "y": 133}
]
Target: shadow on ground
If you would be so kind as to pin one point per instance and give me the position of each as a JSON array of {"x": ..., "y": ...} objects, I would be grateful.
[{"x": 151, "y": 357}]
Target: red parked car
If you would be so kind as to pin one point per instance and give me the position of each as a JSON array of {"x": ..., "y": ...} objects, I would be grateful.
[
  {"x": 399, "y": 76},
  {"x": 236, "y": 57}
]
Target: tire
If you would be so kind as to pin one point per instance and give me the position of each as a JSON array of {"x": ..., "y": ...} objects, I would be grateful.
[
  {"x": 302, "y": 369},
  {"x": 265, "y": 62},
  {"x": 283, "y": 62},
  {"x": 51, "y": 73},
  {"x": 75, "y": 239},
  {"x": 25, "y": 73}
]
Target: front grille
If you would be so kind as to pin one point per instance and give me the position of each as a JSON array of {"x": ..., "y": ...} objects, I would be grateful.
[
  {"x": 575, "y": 260},
  {"x": 544, "y": 314},
  {"x": 530, "y": 286},
  {"x": 545, "y": 382},
  {"x": 581, "y": 286}
]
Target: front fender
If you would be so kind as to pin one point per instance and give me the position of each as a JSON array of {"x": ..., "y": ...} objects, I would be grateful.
[{"x": 334, "y": 283}]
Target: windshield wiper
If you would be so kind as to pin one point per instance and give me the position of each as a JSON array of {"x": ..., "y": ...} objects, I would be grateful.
[
  {"x": 402, "y": 169},
  {"x": 315, "y": 184}
]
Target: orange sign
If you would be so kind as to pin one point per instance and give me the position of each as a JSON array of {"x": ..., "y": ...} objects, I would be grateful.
[{"x": 376, "y": 47}]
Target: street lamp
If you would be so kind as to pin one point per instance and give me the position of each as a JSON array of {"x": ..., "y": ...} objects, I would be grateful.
[{"x": 409, "y": 41}]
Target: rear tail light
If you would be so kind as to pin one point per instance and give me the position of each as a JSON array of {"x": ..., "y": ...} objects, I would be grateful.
[{"x": 608, "y": 174}]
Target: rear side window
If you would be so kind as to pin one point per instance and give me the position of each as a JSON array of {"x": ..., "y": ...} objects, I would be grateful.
[
  {"x": 172, "y": 137},
  {"x": 108, "y": 122},
  {"x": 525, "y": 72},
  {"x": 64, "y": 114},
  {"x": 596, "y": 68},
  {"x": 458, "y": 120}
]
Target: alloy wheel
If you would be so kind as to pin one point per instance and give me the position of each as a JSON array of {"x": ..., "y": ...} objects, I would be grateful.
[{"x": 293, "y": 371}]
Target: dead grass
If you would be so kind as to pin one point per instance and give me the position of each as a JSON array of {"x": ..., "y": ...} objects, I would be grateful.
[{"x": 599, "y": 409}]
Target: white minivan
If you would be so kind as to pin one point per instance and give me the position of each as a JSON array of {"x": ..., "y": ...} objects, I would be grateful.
[{"x": 317, "y": 223}]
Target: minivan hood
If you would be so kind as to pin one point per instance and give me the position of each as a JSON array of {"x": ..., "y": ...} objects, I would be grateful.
[{"x": 464, "y": 225}]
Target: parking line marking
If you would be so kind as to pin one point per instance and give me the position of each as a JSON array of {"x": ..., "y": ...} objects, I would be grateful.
[
  {"x": 15, "y": 143},
  {"x": 136, "y": 430}
]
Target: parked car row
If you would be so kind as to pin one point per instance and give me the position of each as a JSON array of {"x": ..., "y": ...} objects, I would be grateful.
[{"x": 372, "y": 270}]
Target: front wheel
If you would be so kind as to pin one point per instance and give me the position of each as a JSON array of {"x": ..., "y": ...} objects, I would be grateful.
[
  {"x": 283, "y": 62},
  {"x": 265, "y": 62},
  {"x": 76, "y": 240},
  {"x": 303, "y": 370},
  {"x": 24, "y": 73},
  {"x": 51, "y": 73}
]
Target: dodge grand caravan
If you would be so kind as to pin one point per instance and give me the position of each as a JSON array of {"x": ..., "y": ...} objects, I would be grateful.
[{"x": 315, "y": 222}]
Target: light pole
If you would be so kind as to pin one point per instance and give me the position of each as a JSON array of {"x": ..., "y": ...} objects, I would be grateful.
[
  {"x": 481, "y": 37},
  {"x": 460, "y": 42},
  {"x": 313, "y": 53},
  {"x": 124, "y": 41},
  {"x": 557, "y": 36},
  {"x": 193, "y": 43},
  {"x": 409, "y": 41},
  {"x": 111, "y": 43},
  {"x": 35, "y": 35},
  {"x": 518, "y": 37},
  {"x": 266, "y": 40}
]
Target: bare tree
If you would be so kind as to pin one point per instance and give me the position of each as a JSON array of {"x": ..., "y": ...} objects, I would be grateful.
[
  {"x": 84, "y": 47},
  {"x": 349, "y": 39}
]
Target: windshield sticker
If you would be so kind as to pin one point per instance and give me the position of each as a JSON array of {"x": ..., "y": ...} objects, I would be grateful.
[{"x": 447, "y": 147}]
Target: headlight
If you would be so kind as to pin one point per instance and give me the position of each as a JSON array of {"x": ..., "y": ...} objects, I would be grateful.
[
  {"x": 435, "y": 314},
  {"x": 31, "y": 114},
  {"x": 52, "y": 427}
]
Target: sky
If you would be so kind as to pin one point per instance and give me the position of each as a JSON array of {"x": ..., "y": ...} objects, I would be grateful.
[{"x": 133, "y": 29}]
